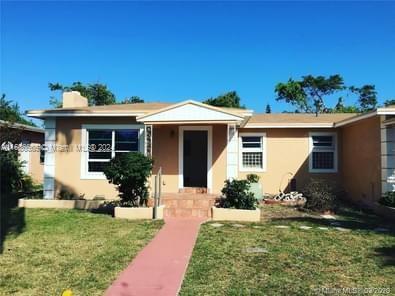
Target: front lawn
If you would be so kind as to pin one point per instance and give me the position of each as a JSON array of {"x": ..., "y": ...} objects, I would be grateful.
[
  {"x": 69, "y": 249},
  {"x": 277, "y": 257}
]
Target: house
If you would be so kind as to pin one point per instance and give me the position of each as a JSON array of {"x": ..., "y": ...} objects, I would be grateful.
[
  {"x": 30, "y": 153},
  {"x": 197, "y": 145}
]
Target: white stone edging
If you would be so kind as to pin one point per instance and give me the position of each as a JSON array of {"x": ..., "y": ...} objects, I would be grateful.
[{"x": 225, "y": 214}]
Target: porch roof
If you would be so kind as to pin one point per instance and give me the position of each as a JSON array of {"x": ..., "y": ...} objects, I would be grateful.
[{"x": 193, "y": 112}]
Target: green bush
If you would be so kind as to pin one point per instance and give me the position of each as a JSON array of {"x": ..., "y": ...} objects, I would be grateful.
[
  {"x": 130, "y": 171},
  {"x": 253, "y": 178},
  {"x": 388, "y": 199},
  {"x": 319, "y": 196},
  {"x": 236, "y": 194},
  {"x": 11, "y": 172}
]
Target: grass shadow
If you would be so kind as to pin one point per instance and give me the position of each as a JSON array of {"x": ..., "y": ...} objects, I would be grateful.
[
  {"x": 12, "y": 220},
  {"x": 387, "y": 255},
  {"x": 106, "y": 208}
]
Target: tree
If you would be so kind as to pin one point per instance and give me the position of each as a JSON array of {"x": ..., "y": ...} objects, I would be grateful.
[
  {"x": 10, "y": 112},
  {"x": 130, "y": 171},
  {"x": 268, "y": 109},
  {"x": 230, "y": 99},
  {"x": 97, "y": 94},
  {"x": 367, "y": 97},
  {"x": 389, "y": 102},
  {"x": 341, "y": 108},
  {"x": 132, "y": 100},
  {"x": 308, "y": 94}
]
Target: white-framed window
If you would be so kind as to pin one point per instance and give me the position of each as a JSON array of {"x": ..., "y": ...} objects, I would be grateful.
[
  {"x": 252, "y": 152},
  {"x": 323, "y": 152},
  {"x": 100, "y": 143}
]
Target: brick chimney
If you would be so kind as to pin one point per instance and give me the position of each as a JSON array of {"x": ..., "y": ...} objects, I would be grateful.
[{"x": 73, "y": 99}]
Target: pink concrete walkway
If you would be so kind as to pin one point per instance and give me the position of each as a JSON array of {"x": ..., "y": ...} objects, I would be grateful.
[{"x": 160, "y": 267}]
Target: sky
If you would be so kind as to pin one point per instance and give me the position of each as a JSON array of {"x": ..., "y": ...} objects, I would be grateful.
[{"x": 173, "y": 51}]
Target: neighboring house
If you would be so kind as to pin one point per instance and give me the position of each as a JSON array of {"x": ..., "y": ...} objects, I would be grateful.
[
  {"x": 31, "y": 155},
  {"x": 198, "y": 145}
]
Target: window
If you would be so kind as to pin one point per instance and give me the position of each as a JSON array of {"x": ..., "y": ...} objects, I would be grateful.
[
  {"x": 42, "y": 154},
  {"x": 323, "y": 153},
  {"x": 102, "y": 143},
  {"x": 252, "y": 152}
]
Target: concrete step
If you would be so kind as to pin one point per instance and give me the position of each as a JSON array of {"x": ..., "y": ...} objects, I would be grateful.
[
  {"x": 185, "y": 212},
  {"x": 188, "y": 203},
  {"x": 196, "y": 190}
]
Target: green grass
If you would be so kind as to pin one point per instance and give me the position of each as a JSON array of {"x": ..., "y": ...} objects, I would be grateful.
[
  {"x": 69, "y": 249},
  {"x": 297, "y": 261}
]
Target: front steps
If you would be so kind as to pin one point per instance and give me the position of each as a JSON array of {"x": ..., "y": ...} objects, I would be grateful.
[{"x": 184, "y": 205}]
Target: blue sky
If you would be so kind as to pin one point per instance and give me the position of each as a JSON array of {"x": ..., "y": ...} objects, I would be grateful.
[{"x": 181, "y": 50}]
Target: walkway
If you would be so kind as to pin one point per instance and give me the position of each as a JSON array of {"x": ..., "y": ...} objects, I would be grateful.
[{"x": 160, "y": 267}]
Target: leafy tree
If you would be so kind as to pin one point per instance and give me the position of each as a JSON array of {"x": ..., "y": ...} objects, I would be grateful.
[
  {"x": 389, "y": 102},
  {"x": 97, "y": 94},
  {"x": 268, "y": 109},
  {"x": 132, "y": 100},
  {"x": 230, "y": 99},
  {"x": 130, "y": 171},
  {"x": 10, "y": 112},
  {"x": 367, "y": 97},
  {"x": 341, "y": 108},
  {"x": 308, "y": 94}
]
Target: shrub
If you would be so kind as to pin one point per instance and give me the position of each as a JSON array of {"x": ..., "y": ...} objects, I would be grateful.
[
  {"x": 11, "y": 172},
  {"x": 388, "y": 199},
  {"x": 64, "y": 194},
  {"x": 130, "y": 171},
  {"x": 319, "y": 196},
  {"x": 253, "y": 178},
  {"x": 236, "y": 195}
]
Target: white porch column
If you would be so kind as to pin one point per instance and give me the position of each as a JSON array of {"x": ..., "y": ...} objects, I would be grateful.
[
  {"x": 387, "y": 157},
  {"x": 232, "y": 153},
  {"x": 49, "y": 160},
  {"x": 148, "y": 135}
]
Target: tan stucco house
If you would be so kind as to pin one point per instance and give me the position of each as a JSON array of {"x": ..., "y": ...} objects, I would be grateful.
[
  {"x": 30, "y": 153},
  {"x": 198, "y": 145}
]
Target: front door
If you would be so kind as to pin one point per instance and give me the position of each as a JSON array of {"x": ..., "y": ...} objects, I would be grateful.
[{"x": 195, "y": 159}]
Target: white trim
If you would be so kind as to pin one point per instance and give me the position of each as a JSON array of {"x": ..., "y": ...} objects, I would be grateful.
[
  {"x": 263, "y": 150},
  {"x": 181, "y": 130},
  {"x": 49, "y": 158},
  {"x": 232, "y": 152},
  {"x": 84, "y": 174},
  {"x": 24, "y": 156},
  {"x": 296, "y": 125},
  {"x": 80, "y": 114},
  {"x": 188, "y": 110},
  {"x": 335, "y": 156},
  {"x": 385, "y": 111}
]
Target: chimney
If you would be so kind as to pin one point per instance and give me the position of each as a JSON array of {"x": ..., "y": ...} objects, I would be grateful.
[{"x": 73, "y": 99}]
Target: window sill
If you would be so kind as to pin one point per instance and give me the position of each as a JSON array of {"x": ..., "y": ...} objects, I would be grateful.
[
  {"x": 252, "y": 170},
  {"x": 314, "y": 171},
  {"x": 93, "y": 177}
]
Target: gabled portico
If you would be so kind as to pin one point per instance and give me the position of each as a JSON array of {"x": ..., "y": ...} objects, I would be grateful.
[{"x": 205, "y": 135}]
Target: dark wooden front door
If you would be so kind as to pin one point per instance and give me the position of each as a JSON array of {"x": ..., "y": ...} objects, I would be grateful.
[{"x": 195, "y": 159}]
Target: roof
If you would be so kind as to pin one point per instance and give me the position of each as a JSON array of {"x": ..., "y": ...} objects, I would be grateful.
[
  {"x": 137, "y": 109},
  {"x": 296, "y": 119},
  {"x": 251, "y": 120},
  {"x": 22, "y": 126}
]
